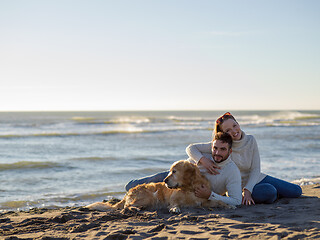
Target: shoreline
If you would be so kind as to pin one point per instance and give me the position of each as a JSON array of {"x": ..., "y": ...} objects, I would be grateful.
[{"x": 287, "y": 218}]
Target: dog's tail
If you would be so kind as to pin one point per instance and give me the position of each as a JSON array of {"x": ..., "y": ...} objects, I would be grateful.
[{"x": 105, "y": 206}]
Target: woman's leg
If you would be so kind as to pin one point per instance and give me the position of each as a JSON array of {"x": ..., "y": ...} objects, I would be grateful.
[
  {"x": 158, "y": 177},
  {"x": 285, "y": 189},
  {"x": 264, "y": 193}
]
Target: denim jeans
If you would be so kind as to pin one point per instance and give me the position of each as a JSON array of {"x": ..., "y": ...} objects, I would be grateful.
[
  {"x": 270, "y": 188},
  {"x": 158, "y": 177}
]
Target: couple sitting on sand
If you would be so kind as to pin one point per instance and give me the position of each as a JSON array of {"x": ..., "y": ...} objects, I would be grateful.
[{"x": 231, "y": 162}]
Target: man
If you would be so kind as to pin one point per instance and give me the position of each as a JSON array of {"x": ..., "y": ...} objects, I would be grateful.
[{"x": 228, "y": 181}]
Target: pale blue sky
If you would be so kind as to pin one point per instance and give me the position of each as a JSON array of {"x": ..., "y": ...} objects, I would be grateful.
[{"x": 159, "y": 55}]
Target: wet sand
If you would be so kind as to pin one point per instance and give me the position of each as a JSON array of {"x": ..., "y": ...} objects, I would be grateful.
[{"x": 287, "y": 219}]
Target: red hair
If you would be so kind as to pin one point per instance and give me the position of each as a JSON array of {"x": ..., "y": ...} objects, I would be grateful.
[{"x": 220, "y": 120}]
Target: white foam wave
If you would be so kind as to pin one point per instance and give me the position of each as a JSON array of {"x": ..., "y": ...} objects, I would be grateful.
[
  {"x": 81, "y": 119},
  {"x": 307, "y": 181},
  {"x": 189, "y": 119},
  {"x": 282, "y": 118},
  {"x": 133, "y": 119}
]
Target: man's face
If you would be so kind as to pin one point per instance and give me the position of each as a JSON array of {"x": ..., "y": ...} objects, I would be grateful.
[{"x": 220, "y": 151}]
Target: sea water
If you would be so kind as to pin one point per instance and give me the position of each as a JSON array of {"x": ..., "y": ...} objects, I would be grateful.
[{"x": 57, "y": 159}]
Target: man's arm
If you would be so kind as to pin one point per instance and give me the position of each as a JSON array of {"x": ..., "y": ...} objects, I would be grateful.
[
  {"x": 233, "y": 187},
  {"x": 234, "y": 192},
  {"x": 204, "y": 192}
]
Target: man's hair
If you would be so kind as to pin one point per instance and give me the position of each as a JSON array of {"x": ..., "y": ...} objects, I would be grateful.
[{"x": 223, "y": 137}]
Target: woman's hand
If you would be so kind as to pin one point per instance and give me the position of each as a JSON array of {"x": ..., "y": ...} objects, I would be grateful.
[
  {"x": 247, "y": 198},
  {"x": 209, "y": 165}
]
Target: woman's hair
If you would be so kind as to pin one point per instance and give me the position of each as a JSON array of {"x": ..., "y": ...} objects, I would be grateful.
[
  {"x": 220, "y": 120},
  {"x": 223, "y": 137}
]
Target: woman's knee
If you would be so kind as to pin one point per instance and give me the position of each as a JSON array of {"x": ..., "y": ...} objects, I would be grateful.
[{"x": 264, "y": 193}]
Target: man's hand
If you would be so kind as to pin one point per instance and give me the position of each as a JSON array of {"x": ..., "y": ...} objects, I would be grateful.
[
  {"x": 209, "y": 165},
  {"x": 202, "y": 192},
  {"x": 247, "y": 198}
]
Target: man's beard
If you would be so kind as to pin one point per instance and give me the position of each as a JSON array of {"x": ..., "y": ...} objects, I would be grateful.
[{"x": 222, "y": 159}]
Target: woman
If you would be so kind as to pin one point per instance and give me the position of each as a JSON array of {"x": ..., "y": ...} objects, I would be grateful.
[{"x": 257, "y": 187}]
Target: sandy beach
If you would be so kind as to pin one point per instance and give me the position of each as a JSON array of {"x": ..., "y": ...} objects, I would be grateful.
[{"x": 286, "y": 219}]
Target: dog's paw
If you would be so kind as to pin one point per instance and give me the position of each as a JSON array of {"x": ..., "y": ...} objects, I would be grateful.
[
  {"x": 130, "y": 210},
  {"x": 232, "y": 207},
  {"x": 227, "y": 206},
  {"x": 175, "y": 210},
  {"x": 134, "y": 209}
]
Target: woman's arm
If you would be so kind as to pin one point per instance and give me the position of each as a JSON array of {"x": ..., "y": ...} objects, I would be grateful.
[
  {"x": 255, "y": 169},
  {"x": 198, "y": 153},
  {"x": 196, "y": 150}
]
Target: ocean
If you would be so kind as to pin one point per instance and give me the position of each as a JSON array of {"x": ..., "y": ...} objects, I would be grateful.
[{"x": 58, "y": 159}]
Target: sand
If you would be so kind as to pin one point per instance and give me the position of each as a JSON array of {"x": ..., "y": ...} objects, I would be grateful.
[{"x": 287, "y": 218}]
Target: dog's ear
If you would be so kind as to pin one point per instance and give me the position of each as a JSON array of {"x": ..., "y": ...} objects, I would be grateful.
[
  {"x": 197, "y": 174},
  {"x": 197, "y": 177},
  {"x": 189, "y": 174}
]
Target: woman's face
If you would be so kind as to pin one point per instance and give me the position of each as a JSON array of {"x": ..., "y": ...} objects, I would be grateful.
[{"x": 233, "y": 128}]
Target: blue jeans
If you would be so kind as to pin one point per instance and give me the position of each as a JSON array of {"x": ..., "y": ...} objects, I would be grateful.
[
  {"x": 158, "y": 177},
  {"x": 270, "y": 188}
]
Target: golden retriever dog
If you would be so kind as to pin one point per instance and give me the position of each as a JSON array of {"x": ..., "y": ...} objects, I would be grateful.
[{"x": 176, "y": 191}]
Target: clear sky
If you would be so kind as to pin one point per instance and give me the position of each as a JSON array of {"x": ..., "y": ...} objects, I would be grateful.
[{"x": 159, "y": 55}]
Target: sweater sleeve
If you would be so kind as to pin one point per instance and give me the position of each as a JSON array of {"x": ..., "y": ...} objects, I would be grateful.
[
  {"x": 255, "y": 169},
  {"x": 196, "y": 150},
  {"x": 233, "y": 186}
]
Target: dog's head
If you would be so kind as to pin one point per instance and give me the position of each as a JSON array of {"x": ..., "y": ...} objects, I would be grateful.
[{"x": 182, "y": 174}]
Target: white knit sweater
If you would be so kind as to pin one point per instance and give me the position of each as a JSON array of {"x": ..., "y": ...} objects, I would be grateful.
[
  {"x": 245, "y": 155},
  {"x": 227, "y": 181}
]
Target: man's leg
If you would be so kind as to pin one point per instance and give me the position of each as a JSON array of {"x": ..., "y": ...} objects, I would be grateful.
[{"x": 158, "y": 177}]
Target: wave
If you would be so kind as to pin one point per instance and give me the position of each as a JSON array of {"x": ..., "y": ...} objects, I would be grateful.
[
  {"x": 81, "y": 119},
  {"x": 95, "y": 159},
  {"x": 16, "y": 205},
  {"x": 56, "y": 201},
  {"x": 282, "y": 118},
  {"x": 39, "y": 135},
  {"x": 189, "y": 119},
  {"x": 307, "y": 181},
  {"x": 128, "y": 130},
  {"x": 70, "y": 134},
  {"x": 141, "y": 124},
  {"x": 27, "y": 165},
  {"x": 116, "y": 120},
  {"x": 259, "y": 118}
]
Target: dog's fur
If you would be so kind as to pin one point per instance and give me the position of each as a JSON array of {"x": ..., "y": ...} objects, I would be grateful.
[{"x": 176, "y": 191}]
